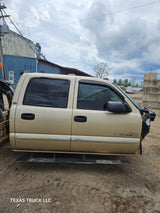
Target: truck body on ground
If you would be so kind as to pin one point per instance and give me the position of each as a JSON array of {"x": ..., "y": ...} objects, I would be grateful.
[{"x": 75, "y": 114}]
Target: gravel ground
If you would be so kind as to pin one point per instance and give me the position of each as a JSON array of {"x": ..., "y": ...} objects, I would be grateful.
[{"x": 70, "y": 188}]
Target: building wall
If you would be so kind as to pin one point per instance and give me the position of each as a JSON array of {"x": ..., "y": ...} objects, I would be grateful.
[
  {"x": 14, "y": 44},
  {"x": 151, "y": 91},
  {"x": 19, "y": 65},
  {"x": 47, "y": 68},
  {"x": 20, "y": 58}
]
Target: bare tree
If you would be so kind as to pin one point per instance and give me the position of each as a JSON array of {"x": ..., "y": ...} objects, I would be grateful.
[{"x": 102, "y": 70}]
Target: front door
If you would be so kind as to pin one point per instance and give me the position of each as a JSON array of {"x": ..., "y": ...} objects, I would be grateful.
[{"x": 95, "y": 130}]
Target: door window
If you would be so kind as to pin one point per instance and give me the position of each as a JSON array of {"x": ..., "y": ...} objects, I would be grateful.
[
  {"x": 94, "y": 96},
  {"x": 46, "y": 92}
]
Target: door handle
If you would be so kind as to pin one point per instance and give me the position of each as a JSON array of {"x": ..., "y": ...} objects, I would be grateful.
[
  {"x": 79, "y": 118},
  {"x": 28, "y": 116}
]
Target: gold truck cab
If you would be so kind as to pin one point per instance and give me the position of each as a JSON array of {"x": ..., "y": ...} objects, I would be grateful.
[{"x": 75, "y": 114}]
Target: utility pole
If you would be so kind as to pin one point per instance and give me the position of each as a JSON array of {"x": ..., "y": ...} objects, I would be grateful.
[
  {"x": 4, "y": 29},
  {"x": 2, "y": 60}
]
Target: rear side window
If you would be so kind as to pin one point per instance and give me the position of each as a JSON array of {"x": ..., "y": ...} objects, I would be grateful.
[
  {"x": 46, "y": 92},
  {"x": 94, "y": 97}
]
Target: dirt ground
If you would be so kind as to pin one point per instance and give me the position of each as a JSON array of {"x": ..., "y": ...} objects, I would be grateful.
[{"x": 71, "y": 188}]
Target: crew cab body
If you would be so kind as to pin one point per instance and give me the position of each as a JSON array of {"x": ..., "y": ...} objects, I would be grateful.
[{"x": 75, "y": 114}]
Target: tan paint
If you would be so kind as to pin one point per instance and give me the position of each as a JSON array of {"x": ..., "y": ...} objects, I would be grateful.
[
  {"x": 107, "y": 125},
  {"x": 54, "y": 129}
]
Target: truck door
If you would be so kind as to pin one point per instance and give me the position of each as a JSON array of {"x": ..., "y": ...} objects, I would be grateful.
[
  {"x": 43, "y": 113},
  {"x": 95, "y": 130}
]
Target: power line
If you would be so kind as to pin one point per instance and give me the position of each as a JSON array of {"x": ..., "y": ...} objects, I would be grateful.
[
  {"x": 91, "y": 18},
  {"x": 86, "y": 19},
  {"x": 95, "y": 17},
  {"x": 33, "y": 49},
  {"x": 19, "y": 32},
  {"x": 118, "y": 11}
]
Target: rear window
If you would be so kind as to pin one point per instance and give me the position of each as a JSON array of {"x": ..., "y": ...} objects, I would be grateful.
[{"x": 46, "y": 92}]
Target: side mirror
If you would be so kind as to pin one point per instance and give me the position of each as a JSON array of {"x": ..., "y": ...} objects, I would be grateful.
[{"x": 117, "y": 107}]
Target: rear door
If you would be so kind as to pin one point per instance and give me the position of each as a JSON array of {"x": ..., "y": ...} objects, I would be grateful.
[
  {"x": 95, "y": 130},
  {"x": 43, "y": 113}
]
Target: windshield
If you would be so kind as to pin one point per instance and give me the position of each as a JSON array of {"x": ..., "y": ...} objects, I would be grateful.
[{"x": 137, "y": 105}]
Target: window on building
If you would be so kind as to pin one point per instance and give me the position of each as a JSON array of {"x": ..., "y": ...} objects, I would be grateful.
[
  {"x": 94, "y": 97},
  {"x": 45, "y": 92}
]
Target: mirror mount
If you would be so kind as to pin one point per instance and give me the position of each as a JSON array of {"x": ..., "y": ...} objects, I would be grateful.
[{"x": 117, "y": 107}]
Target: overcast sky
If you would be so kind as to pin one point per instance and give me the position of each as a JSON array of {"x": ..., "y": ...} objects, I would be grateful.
[{"x": 81, "y": 33}]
